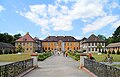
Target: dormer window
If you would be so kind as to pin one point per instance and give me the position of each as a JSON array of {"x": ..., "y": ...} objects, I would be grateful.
[{"x": 24, "y": 39}]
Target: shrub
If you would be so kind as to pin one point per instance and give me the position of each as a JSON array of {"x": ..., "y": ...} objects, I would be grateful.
[
  {"x": 118, "y": 52},
  {"x": 43, "y": 56},
  {"x": 6, "y": 52},
  {"x": 113, "y": 52},
  {"x": 38, "y": 51},
  {"x": 105, "y": 52},
  {"x": 1, "y": 52},
  {"x": 77, "y": 57},
  {"x": 10, "y": 52},
  {"x": 84, "y": 50},
  {"x": 109, "y": 52}
]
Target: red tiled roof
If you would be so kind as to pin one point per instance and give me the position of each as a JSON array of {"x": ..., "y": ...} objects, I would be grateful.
[
  {"x": 94, "y": 38},
  {"x": 26, "y": 37},
  {"x": 62, "y": 38}
]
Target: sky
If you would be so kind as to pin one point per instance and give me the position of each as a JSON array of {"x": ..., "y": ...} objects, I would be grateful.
[{"x": 42, "y": 18}]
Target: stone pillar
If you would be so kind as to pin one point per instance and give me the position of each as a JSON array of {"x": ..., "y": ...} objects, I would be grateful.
[
  {"x": 35, "y": 61},
  {"x": 82, "y": 56}
]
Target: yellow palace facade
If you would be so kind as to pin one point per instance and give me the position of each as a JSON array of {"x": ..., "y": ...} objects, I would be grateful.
[{"x": 61, "y": 43}]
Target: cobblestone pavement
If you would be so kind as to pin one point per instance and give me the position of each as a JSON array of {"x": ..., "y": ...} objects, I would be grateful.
[{"x": 58, "y": 66}]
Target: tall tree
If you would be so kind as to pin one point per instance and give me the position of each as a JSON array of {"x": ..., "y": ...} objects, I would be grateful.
[
  {"x": 102, "y": 37},
  {"x": 5, "y": 37},
  {"x": 116, "y": 35},
  {"x": 17, "y": 36}
]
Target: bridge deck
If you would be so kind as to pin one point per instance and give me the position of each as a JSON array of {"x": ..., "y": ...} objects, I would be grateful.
[{"x": 58, "y": 66}]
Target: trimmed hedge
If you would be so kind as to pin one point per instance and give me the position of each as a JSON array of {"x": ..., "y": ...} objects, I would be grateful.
[
  {"x": 75, "y": 56},
  {"x": 43, "y": 56}
]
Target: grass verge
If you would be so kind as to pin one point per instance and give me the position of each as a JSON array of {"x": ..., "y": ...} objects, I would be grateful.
[
  {"x": 116, "y": 65},
  {"x": 14, "y": 57},
  {"x": 100, "y": 58}
]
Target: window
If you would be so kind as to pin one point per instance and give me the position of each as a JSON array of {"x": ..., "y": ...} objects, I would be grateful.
[
  {"x": 95, "y": 49},
  {"x": 26, "y": 48},
  {"x": 92, "y": 44},
  {"x": 92, "y": 49},
  {"x": 95, "y": 44},
  {"x": 88, "y": 44},
  {"x": 55, "y": 43},
  {"x": 30, "y": 44},
  {"x": 68, "y": 48},
  {"x": 89, "y": 49},
  {"x": 48, "y": 44},
  {"x": 30, "y": 48},
  {"x": 49, "y": 48},
  {"x": 23, "y": 44},
  {"x": 74, "y": 48},
  {"x": 65, "y": 44}
]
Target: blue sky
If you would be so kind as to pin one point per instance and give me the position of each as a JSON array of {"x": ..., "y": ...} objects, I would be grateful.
[{"x": 78, "y": 18}]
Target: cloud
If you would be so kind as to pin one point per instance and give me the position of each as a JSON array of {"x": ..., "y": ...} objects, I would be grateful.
[
  {"x": 116, "y": 24},
  {"x": 1, "y": 8},
  {"x": 78, "y": 37},
  {"x": 86, "y": 9},
  {"x": 59, "y": 16},
  {"x": 99, "y": 23}
]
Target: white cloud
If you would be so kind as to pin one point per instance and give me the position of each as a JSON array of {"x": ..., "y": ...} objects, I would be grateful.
[
  {"x": 78, "y": 37},
  {"x": 116, "y": 24},
  {"x": 86, "y": 9},
  {"x": 59, "y": 16},
  {"x": 1, "y": 8},
  {"x": 99, "y": 23},
  {"x": 114, "y": 5}
]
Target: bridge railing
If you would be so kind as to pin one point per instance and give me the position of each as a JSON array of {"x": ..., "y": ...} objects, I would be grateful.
[
  {"x": 16, "y": 68},
  {"x": 101, "y": 70}
]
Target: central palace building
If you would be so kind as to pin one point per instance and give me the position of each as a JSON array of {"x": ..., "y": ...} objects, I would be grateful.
[{"x": 61, "y": 43}]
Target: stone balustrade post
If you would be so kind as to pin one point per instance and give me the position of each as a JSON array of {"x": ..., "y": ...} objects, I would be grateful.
[
  {"x": 35, "y": 60},
  {"x": 82, "y": 56}
]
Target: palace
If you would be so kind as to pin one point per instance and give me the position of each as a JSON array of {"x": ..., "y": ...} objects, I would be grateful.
[
  {"x": 92, "y": 44},
  {"x": 28, "y": 43},
  {"x": 61, "y": 43}
]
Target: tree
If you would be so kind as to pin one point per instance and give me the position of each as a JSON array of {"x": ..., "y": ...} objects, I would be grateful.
[
  {"x": 99, "y": 47},
  {"x": 115, "y": 37},
  {"x": 5, "y": 37},
  {"x": 118, "y": 52},
  {"x": 20, "y": 49},
  {"x": 109, "y": 52},
  {"x": 1, "y": 52},
  {"x": 105, "y": 52},
  {"x": 6, "y": 51},
  {"x": 102, "y": 37},
  {"x": 10, "y": 52},
  {"x": 17, "y": 36},
  {"x": 113, "y": 52}
]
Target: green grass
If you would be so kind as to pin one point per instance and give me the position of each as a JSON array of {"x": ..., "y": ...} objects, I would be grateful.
[
  {"x": 99, "y": 58},
  {"x": 14, "y": 57},
  {"x": 116, "y": 65}
]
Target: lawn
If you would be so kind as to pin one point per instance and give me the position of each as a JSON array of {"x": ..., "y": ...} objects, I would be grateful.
[
  {"x": 14, "y": 57},
  {"x": 99, "y": 58},
  {"x": 116, "y": 65}
]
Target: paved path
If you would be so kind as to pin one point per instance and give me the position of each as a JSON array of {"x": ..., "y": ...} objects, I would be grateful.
[{"x": 58, "y": 66}]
